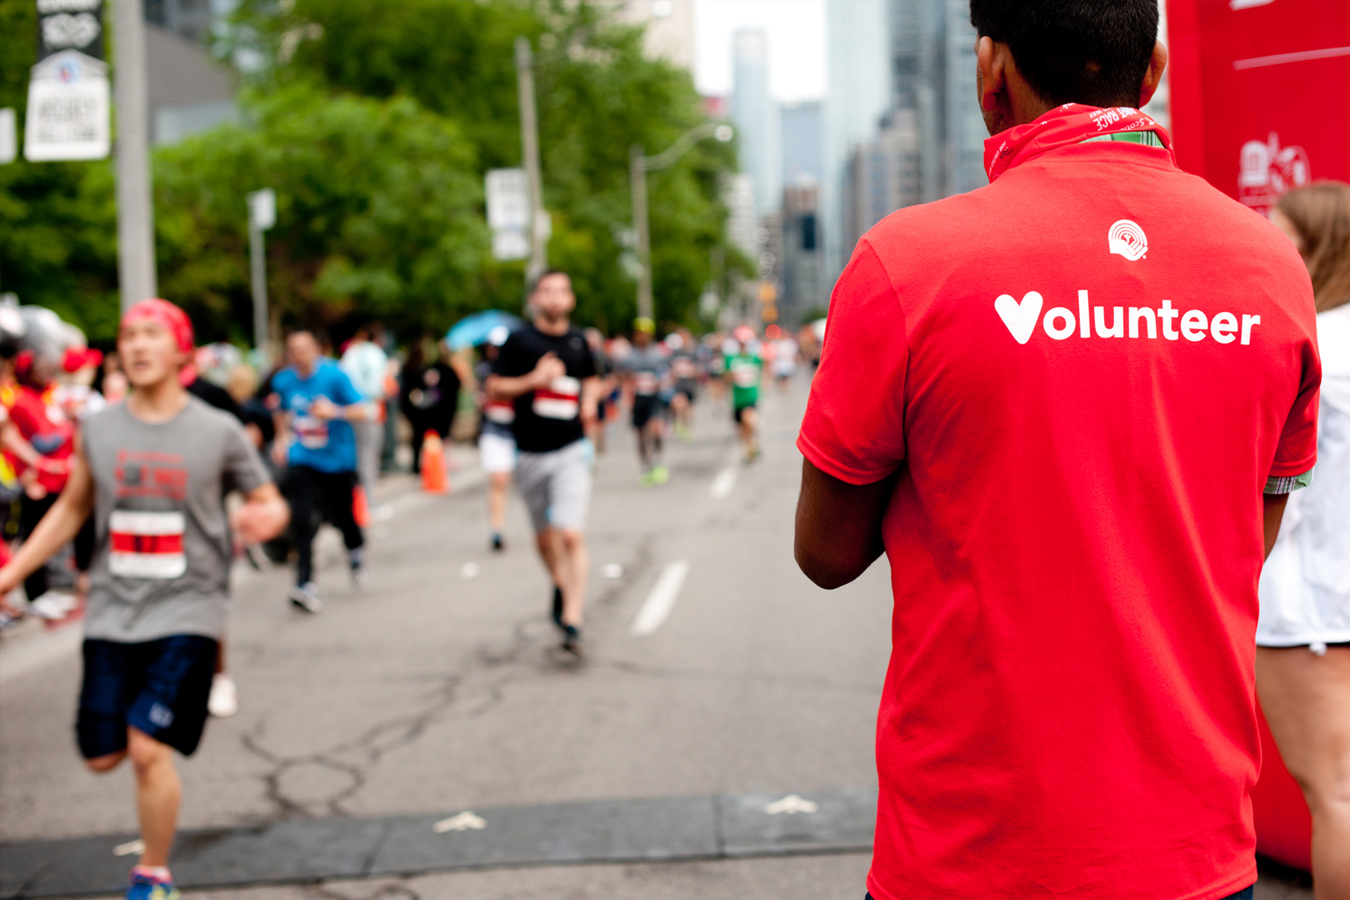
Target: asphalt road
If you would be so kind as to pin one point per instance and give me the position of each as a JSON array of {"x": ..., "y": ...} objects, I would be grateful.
[{"x": 439, "y": 687}]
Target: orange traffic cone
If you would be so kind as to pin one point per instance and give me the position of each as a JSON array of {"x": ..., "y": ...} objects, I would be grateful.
[
  {"x": 433, "y": 465},
  {"x": 360, "y": 506}
]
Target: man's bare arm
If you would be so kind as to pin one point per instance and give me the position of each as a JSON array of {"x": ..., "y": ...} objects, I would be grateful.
[
  {"x": 1272, "y": 513},
  {"x": 838, "y": 526}
]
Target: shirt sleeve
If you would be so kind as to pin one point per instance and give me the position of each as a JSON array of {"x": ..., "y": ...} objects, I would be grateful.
[
  {"x": 244, "y": 469},
  {"x": 510, "y": 361},
  {"x": 345, "y": 388},
  {"x": 854, "y": 427},
  {"x": 1297, "y": 450},
  {"x": 586, "y": 364}
]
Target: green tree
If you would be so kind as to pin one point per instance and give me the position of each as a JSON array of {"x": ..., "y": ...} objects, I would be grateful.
[
  {"x": 378, "y": 213},
  {"x": 598, "y": 94}
]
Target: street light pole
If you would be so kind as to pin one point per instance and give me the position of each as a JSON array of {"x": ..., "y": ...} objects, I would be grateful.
[
  {"x": 529, "y": 138},
  {"x": 135, "y": 207},
  {"x": 638, "y": 174},
  {"x": 638, "y": 167}
]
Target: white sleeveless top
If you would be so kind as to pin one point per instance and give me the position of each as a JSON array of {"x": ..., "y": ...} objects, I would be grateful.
[{"x": 1305, "y": 585}]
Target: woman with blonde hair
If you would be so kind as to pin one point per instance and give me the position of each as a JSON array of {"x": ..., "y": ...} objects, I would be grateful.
[{"x": 1303, "y": 638}]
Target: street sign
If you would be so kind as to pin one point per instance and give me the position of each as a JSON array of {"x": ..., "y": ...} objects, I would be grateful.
[
  {"x": 508, "y": 213},
  {"x": 68, "y": 107},
  {"x": 509, "y": 244},
  {"x": 508, "y": 199},
  {"x": 70, "y": 25},
  {"x": 262, "y": 209},
  {"x": 9, "y": 141}
]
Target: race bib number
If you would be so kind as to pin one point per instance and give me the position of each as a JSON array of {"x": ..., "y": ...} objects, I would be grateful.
[
  {"x": 146, "y": 544},
  {"x": 744, "y": 374},
  {"x": 560, "y": 400},
  {"x": 501, "y": 413},
  {"x": 645, "y": 383},
  {"x": 684, "y": 368},
  {"x": 312, "y": 433}
]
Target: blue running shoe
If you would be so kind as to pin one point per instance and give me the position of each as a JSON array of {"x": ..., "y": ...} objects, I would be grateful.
[{"x": 143, "y": 888}]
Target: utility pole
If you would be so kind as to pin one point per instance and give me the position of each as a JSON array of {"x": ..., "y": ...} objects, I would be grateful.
[
  {"x": 638, "y": 167},
  {"x": 637, "y": 171},
  {"x": 135, "y": 205},
  {"x": 529, "y": 138}
]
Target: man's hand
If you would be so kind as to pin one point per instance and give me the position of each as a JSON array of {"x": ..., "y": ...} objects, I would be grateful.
[
  {"x": 262, "y": 517},
  {"x": 324, "y": 409},
  {"x": 279, "y": 454},
  {"x": 548, "y": 368},
  {"x": 9, "y": 582}
]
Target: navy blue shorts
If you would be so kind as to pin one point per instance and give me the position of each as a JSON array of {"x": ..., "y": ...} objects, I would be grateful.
[{"x": 158, "y": 687}]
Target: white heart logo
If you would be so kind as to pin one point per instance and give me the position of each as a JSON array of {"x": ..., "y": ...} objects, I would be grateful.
[{"x": 1021, "y": 318}]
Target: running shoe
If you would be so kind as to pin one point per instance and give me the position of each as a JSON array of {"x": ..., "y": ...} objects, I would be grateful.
[
  {"x": 498, "y": 545},
  {"x": 54, "y": 605},
  {"x": 305, "y": 597},
  {"x": 572, "y": 641},
  {"x": 360, "y": 576},
  {"x": 224, "y": 700},
  {"x": 143, "y": 888},
  {"x": 660, "y": 474},
  {"x": 557, "y": 606}
]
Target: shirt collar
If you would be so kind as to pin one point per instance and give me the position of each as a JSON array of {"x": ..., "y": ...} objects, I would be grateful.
[{"x": 1060, "y": 127}]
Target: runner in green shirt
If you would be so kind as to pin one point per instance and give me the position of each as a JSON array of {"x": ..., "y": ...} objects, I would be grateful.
[{"x": 744, "y": 369}]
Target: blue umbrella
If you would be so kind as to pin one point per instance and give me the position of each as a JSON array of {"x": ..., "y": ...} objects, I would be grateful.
[{"x": 474, "y": 330}]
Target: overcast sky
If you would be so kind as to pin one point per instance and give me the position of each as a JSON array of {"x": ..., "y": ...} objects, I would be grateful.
[{"x": 796, "y": 30}]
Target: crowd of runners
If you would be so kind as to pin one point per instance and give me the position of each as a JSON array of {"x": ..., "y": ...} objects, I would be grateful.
[{"x": 139, "y": 477}]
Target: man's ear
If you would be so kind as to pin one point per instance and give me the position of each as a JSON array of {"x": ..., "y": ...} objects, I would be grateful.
[
  {"x": 1157, "y": 64},
  {"x": 989, "y": 64}
]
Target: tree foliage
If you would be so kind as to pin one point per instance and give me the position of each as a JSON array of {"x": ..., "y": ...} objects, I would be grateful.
[{"x": 375, "y": 121}]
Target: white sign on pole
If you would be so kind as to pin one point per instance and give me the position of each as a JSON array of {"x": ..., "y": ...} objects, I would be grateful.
[
  {"x": 262, "y": 209},
  {"x": 9, "y": 140},
  {"x": 510, "y": 243},
  {"x": 508, "y": 199},
  {"x": 68, "y": 108}
]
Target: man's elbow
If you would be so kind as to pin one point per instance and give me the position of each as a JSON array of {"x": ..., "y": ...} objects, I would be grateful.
[{"x": 825, "y": 571}]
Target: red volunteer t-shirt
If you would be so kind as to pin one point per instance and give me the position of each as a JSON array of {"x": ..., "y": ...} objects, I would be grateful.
[{"x": 1075, "y": 535}]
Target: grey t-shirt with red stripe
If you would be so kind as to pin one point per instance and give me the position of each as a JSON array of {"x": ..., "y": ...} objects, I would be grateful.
[{"x": 162, "y": 560}]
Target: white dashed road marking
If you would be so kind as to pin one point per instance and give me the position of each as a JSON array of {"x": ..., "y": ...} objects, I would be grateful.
[
  {"x": 791, "y": 805},
  {"x": 465, "y": 821},
  {"x": 662, "y": 598},
  {"x": 724, "y": 482},
  {"x": 130, "y": 848}
]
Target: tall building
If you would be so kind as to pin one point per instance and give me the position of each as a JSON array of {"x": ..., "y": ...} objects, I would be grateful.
[
  {"x": 669, "y": 27},
  {"x": 803, "y": 293},
  {"x": 858, "y": 94},
  {"x": 802, "y": 130},
  {"x": 883, "y": 174},
  {"x": 754, "y": 116}
]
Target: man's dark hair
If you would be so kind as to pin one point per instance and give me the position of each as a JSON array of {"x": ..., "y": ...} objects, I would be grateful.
[
  {"x": 534, "y": 285},
  {"x": 1075, "y": 51}
]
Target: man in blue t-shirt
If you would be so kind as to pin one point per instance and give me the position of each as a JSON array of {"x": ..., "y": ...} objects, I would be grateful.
[{"x": 314, "y": 403}]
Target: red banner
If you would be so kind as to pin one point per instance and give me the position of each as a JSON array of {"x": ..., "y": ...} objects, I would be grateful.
[{"x": 1260, "y": 93}]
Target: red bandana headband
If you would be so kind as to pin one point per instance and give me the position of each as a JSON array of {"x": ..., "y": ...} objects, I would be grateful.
[
  {"x": 167, "y": 315},
  {"x": 172, "y": 318}
]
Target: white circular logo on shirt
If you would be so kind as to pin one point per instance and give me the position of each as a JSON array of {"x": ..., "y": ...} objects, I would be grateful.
[{"x": 1127, "y": 239}]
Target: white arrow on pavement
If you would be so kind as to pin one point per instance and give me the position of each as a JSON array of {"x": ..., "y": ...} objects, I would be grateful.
[
  {"x": 791, "y": 805},
  {"x": 661, "y": 600},
  {"x": 465, "y": 821}
]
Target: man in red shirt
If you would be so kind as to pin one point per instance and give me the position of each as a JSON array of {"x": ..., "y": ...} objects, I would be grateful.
[{"x": 1088, "y": 387}]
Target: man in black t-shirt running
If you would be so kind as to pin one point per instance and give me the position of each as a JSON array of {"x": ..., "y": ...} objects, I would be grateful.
[{"x": 546, "y": 371}]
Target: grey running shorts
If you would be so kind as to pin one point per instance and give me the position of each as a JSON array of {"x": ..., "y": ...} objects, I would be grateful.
[{"x": 557, "y": 486}]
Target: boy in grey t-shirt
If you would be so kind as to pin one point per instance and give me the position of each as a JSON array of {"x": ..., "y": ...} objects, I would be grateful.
[{"x": 151, "y": 470}]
